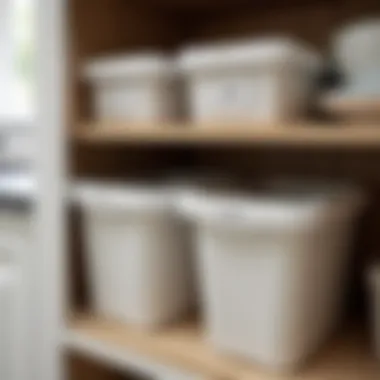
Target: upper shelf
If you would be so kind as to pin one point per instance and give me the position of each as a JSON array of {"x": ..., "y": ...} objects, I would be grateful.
[
  {"x": 201, "y": 5},
  {"x": 302, "y": 135}
]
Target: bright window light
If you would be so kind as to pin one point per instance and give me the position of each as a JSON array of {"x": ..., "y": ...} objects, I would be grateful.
[{"x": 17, "y": 60}]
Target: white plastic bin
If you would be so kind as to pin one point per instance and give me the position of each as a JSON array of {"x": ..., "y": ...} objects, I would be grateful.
[
  {"x": 137, "y": 267},
  {"x": 136, "y": 89},
  {"x": 265, "y": 80},
  {"x": 182, "y": 186},
  {"x": 272, "y": 270},
  {"x": 374, "y": 282}
]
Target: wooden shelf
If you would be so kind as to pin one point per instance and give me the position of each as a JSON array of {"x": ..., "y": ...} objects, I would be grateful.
[
  {"x": 183, "y": 347},
  {"x": 294, "y": 135},
  {"x": 222, "y": 5}
]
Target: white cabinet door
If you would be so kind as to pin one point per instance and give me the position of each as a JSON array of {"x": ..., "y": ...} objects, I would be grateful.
[{"x": 15, "y": 300}]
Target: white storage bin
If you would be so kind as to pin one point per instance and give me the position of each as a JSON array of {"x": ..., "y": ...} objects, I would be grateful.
[
  {"x": 266, "y": 80},
  {"x": 374, "y": 282},
  {"x": 133, "y": 88},
  {"x": 273, "y": 271},
  {"x": 180, "y": 187},
  {"x": 138, "y": 269}
]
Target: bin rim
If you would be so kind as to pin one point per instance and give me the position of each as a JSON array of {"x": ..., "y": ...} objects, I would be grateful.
[
  {"x": 121, "y": 197},
  {"x": 144, "y": 65},
  {"x": 249, "y": 52},
  {"x": 264, "y": 211}
]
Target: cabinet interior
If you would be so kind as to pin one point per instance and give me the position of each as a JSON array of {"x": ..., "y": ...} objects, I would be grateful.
[{"x": 106, "y": 27}]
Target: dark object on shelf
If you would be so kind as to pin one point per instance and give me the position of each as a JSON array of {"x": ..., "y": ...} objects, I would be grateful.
[{"x": 330, "y": 77}]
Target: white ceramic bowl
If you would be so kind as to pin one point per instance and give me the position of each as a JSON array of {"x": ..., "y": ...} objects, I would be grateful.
[{"x": 357, "y": 47}]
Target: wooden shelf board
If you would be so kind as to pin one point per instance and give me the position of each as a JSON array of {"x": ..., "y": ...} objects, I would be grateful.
[
  {"x": 184, "y": 347},
  {"x": 294, "y": 135},
  {"x": 220, "y": 5}
]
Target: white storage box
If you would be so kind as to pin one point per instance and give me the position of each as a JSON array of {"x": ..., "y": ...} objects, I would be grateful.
[
  {"x": 273, "y": 271},
  {"x": 132, "y": 88},
  {"x": 256, "y": 81},
  {"x": 138, "y": 269},
  {"x": 374, "y": 282}
]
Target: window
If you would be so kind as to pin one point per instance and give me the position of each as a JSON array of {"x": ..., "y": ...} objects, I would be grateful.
[
  {"x": 16, "y": 81},
  {"x": 16, "y": 60},
  {"x": 24, "y": 56}
]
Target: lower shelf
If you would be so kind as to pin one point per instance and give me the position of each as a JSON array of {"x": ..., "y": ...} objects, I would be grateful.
[{"x": 182, "y": 347}]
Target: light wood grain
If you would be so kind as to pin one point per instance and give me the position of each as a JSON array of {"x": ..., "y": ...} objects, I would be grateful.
[
  {"x": 301, "y": 134},
  {"x": 347, "y": 358},
  {"x": 354, "y": 109}
]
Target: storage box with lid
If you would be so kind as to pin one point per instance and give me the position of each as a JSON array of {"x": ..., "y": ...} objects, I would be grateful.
[
  {"x": 264, "y": 80},
  {"x": 273, "y": 270},
  {"x": 137, "y": 268},
  {"x": 136, "y": 89}
]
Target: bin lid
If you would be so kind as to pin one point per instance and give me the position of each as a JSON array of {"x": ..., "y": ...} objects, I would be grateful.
[
  {"x": 270, "y": 209},
  {"x": 264, "y": 52},
  {"x": 121, "y": 196},
  {"x": 134, "y": 66}
]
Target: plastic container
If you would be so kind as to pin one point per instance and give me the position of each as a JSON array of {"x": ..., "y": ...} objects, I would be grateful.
[
  {"x": 182, "y": 185},
  {"x": 266, "y": 80},
  {"x": 136, "y": 89},
  {"x": 137, "y": 268},
  {"x": 374, "y": 283},
  {"x": 273, "y": 270}
]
